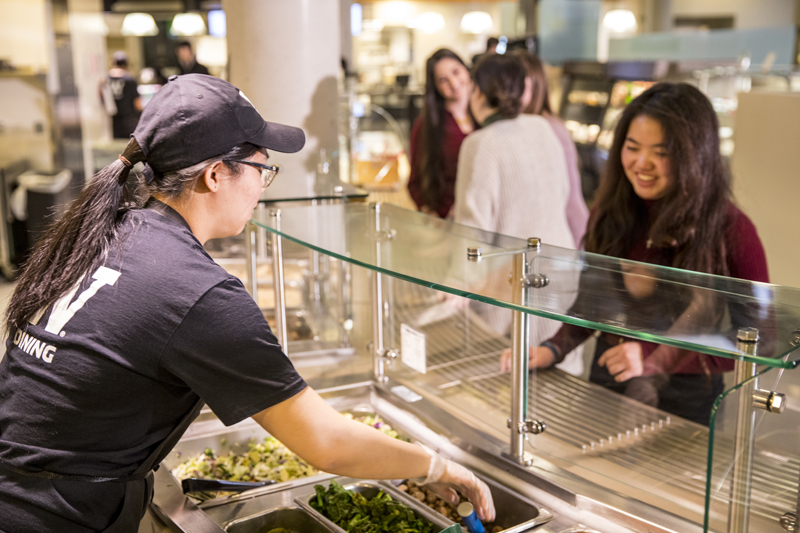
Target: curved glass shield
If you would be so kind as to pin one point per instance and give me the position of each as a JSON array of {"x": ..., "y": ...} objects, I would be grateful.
[
  {"x": 753, "y": 469},
  {"x": 681, "y": 313}
]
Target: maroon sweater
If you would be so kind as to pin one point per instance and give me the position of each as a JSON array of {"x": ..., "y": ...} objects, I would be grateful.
[
  {"x": 746, "y": 260},
  {"x": 451, "y": 144}
]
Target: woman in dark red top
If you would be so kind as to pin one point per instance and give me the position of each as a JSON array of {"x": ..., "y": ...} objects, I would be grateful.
[
  {"x": 664, "y": 200},
  {"x": 437, "y": 134}
]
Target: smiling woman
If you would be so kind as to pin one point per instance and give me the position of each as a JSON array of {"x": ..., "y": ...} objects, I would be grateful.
[
  {"x": 437, "y": 134},
  {"x": 664, "y": 200}
]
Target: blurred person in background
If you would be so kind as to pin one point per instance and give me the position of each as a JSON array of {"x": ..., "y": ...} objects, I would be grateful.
[
  {"x": 491, "y": 48},
  {"x": 512, "y": 177},
  {"x": 664, "y": 200},
  {"x": 127, "y": 105},
  {"x": 187, "y": 60},
  {"x": 536, "y": 101},
  {"x": 438, "y": 132}
]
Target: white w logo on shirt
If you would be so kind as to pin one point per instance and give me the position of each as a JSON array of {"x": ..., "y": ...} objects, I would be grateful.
[{"x": 63, "y": 311}]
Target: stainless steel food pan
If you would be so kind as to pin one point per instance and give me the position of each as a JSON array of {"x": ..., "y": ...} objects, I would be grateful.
[
  {"x": 370, "y": 489},
  {"x": 515, "y": 513},
  {"x": 292, "y": 519}
]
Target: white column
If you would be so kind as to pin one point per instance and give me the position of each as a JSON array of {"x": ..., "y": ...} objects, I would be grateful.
[{"x": 285, "y": 56}]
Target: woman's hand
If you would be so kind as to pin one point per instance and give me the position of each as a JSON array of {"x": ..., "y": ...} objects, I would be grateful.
[
  {"x": 538, "y": 357},
  {"x": 623, "y": 361},
  {"x": 446, "y": 477}
]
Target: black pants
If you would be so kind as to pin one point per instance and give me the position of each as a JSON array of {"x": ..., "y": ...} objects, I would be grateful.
[{"x": 690, "y": 396}]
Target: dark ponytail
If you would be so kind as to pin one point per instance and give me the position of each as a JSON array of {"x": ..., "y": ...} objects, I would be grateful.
[
  {"x": 501, "y": 78},
  {"x": 80, "y": 241}
]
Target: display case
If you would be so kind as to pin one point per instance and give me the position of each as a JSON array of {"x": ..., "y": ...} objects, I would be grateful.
[
  {"x": 694, "y": 443},
  {"x": 593, "y": 96}
]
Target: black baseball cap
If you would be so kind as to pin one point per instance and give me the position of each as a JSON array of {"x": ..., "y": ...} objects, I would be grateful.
[{"x": 195, "y": 117}]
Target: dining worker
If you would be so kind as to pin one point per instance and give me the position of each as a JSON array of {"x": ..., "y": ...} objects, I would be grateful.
[{"x": 121, "y": 326}]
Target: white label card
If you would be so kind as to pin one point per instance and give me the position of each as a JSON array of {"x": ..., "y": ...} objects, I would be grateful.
[{"x": 412, "y": 349}]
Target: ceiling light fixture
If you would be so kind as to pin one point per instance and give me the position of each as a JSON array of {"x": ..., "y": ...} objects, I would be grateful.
[
  {"x": 187, "y": 24},
  {"x": 620, "y": 21},
  {"x": 139, "y": 24},
  {"x": 428, "y": 22},
  {"x": 476, "y": 22}
]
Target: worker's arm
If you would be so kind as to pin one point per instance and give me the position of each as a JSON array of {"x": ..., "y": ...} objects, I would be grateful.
[
  {"x": 312, "y": 429},
  {"x": 324, "y": 438}
]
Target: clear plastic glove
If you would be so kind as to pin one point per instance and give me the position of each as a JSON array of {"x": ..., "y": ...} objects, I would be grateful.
[{"x": 446, "y": 477}]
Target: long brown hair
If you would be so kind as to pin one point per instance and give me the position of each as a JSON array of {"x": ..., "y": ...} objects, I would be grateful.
[
  {"x": 692, "y": 217},
  {"x": 540, "y": 95},
  {"x": 431, "y": 148},
  {"x": 81, "y": 240}
]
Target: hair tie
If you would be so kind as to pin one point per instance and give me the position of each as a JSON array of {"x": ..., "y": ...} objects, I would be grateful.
[{"x": 125, "y": 161}]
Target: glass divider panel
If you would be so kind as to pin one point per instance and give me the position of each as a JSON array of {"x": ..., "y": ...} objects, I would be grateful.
[
  {"x": 758, "y": 498},
  {"x": 704, "y": 311}
]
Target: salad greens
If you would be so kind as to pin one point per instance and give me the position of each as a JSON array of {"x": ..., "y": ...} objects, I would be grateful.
[
  {"x": 267, "y": 460},
  {"x": 356, "y": 514}
]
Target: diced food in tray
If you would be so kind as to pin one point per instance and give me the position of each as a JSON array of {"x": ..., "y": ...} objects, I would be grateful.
[
  {"x": 263, "y": 461},
  {"x": 428, "y": 497},
  {"x": 267, "y": 460},
  {"x": 376, "y": 422}
]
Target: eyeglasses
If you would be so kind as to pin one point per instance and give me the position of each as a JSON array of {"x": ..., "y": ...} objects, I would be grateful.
[{"x": 268, "y": 172}]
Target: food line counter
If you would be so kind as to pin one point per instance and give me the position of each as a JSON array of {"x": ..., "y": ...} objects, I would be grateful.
[{"x": 586, "y": 454}]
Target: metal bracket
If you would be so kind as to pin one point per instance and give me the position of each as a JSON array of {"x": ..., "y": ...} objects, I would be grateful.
[
  {"x": 772, "y": 402},
  {"x": 537, "y": 281},
  {"x": 533, "y": 427},
  {"x": 473, "y": 253},
  {"x": 389, "y": 353},
  {"x": 789, "y": 522},
  {"x": 385, "y": 235}
]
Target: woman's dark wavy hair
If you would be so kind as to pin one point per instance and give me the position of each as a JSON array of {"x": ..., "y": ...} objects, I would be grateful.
[
  {"x": 692, "y": 217},
  {"x": 430, "y": 149},
  {"x": 81, "y": 240},
  {"x": 501, "y": 78}
]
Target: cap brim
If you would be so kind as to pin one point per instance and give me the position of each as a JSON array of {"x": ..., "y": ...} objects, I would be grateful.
[{"x": 280, "y": 138}]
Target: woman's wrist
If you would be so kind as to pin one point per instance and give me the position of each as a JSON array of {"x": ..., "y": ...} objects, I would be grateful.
[{"x": 557, "y": 357}]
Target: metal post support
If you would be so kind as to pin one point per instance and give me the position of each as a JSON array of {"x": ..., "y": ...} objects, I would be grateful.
[
  {"x": 345, "y": 280},
  {"x": 278, "y": 282},
  {"x": 797, "y": 508},
  {"x": 519, "y": 357},
  {"x": 250, "y": 259},
  {"x": 261, "y": 212},
  {"x": 739, "y": 510},
  {"x": 379, "y": 364}
]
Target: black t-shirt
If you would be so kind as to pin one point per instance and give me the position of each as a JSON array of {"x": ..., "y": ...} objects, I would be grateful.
[
  {"x": 125, "y": 92},
  {"x": 96, "y": 383}
]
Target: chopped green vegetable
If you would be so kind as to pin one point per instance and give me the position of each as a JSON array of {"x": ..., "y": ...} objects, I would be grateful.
[
  {"x": 267, "y": 460},
  {"x": 356, "y": 514}
]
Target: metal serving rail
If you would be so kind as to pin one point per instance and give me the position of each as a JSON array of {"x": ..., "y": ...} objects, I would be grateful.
[{"x": 595, "y": 422}]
